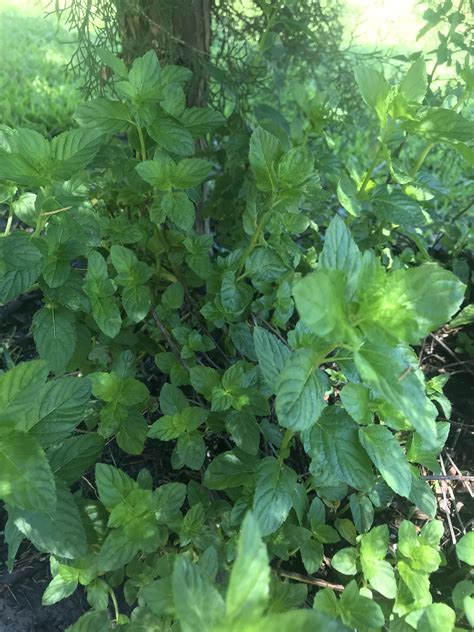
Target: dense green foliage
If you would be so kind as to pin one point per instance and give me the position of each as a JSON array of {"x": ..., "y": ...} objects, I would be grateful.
[{"x": 238, "y": 308}]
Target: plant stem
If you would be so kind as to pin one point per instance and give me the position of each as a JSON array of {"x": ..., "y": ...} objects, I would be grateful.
[
  {"x": 370, "y": 170},
  {"x": 142, "y": 141},
  {"x": 115, "y": 603},
  {"x": 284, "y": 446},
  {"x": 9, "y": 221},
  {"x": 253, "y": 242},
  {"x": 421, "y": 159}
]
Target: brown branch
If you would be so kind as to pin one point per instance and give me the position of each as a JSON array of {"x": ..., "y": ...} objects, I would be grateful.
[
  {"x": 313, "y": 581},
  {"x": 167, "y": 337}
]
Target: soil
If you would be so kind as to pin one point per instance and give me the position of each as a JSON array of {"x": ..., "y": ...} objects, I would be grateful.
[{"x": 20, "y": 602}]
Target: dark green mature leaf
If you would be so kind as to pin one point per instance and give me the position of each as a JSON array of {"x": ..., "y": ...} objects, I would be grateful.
[
  {"x": 75, "y": 455},
  {"x": 231, "y": 469},
  {"x": 198, "y": 604},
  {"x": 145, "y": 76},
  {"x": 103, "y": 115},
  {"x": 387, "y": 455},
  {"x": 441, "y": 124},
  {"x": 172, "y": 137},
  {"x": 20, "y": 394},
  {"x": 54, "y": 332},
  {"x": 265, "y": 151},
  {"x": 248, "y": 591},
  {"x": 20, "y": 265},
  {"x": 113, "y": 485},
  {"x": 62, "y": 405},
  {"x": 73, "y": 151},
  {"x": 272, "y": 501},
  {"x": 117, "y": 550},
  {"x": 200, "y": 121},
  {"x": 397, "y": 208},
  {"x": 300, "y": 390},
  {"x": 384, "y": 369},
  {"x": 26, "y": 480},
  {"x": 271, "y": 354},
  {"x": 92, "y": 622},
  {"x": 190, "y": 172},
  {"x": 179, "y": 209},
  {"x": 57, "y": 530},
  {"x": 355, "y": 399},
  {"x": 335, "y": 436}
]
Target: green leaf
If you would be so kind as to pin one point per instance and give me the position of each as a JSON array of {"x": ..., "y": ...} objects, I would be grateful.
[
  {"x": 384, "y": 369},
  {"x": 136, "y": 301},
  {"x": 465, "y": 548},
  {"x": 117, "y": 550},
  {"x": 179, "y": 209},
  {"x": 248, "y": 591},
  {"x": 265, "y": 265},
  {"x": 387, "y": 455},
  {"x": 437, "y": 617},
  {"x": 441, "y": 124},
  {"x": 465, "y": 317},
  {"x": 335, "y": 436},
  {"x": 345, "y": 561},
  {"x": 347, "y": 195},
  {"x": 20, "y": 265},
  {"x": 271, "y": 354},
  {"x": 358, "y": 611},
  {"x": 340, "y": 251},
  {"x": 198, "y": 604},
  {"x": 103, "y": 115},
  {"x": 295, "y": 166},
  {"x": 132, "y": 433},
  {"x": 54, "y": 332},
  {"x": 413, "y": 302},
  {"x": 273, "y": 494},
  {"x": 115, "y": 64},
  {"x": 20, "y": 392},
  {"x": 200, "y": 121},
  {"x": 75, "y": 455},
  {"x": 230, "y": 469},
  {"x": 377, "y": 571},
  {"x": 92, "y": 622},
  {"x": 312, "y": 554},
  {"x": 26, "y": 480},
  {"x": 145, "y": 75},
  {"x": 414, "y": 84},
  {"x": 373, "y": 88},
  {"x": 158, "y": 172},
  {"x": 100, "y": 290},
  {"x": 56, "y": 530},
  {"x": 362, "y": 512},
  {"x": 57, "y": 589},
  {"x": 73, "y": 151},
  {"x": 62, "y": 407},
  {"x": 397, "y": 208},
  {"x": 319, "y": 298},
  {"x": 300, "y": 391},
  {"x": 265, "y": 151},
  {"x": 113, "y": 485},
  {"x": 172, "y": 137},
  {"x": 355, "y": 399},
  {"x": 244, "y": 430},
  {"x": 190, "y": 172}
]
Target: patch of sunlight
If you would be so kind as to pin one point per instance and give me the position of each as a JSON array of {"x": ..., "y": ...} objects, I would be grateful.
[{"x": 385, "y": 24}]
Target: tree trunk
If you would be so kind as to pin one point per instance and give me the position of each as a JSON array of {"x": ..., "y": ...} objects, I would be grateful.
[{"x": 179, "y": 31}]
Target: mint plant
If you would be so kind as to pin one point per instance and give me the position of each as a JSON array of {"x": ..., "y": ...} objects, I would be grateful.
[{"x": 256, "y": 349}]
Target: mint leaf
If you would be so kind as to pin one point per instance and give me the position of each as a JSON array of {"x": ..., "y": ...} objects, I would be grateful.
[
  {"x": 248, "y": 591},
  {"x": 300, "y": 390},
  {"x": 54, "y": 332},
  {"x": 272, "y": 501},
  {"x": 387, "y": 455}
]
